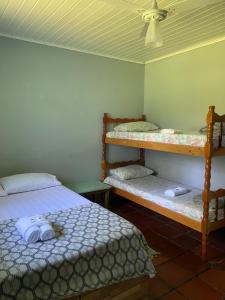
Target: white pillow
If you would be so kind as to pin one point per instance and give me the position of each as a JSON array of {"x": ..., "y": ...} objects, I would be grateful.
[
  {"x": 2, "y": 192},
  {"x": 28, "y": 182},
  {"x": 140, "y": 126},
  {"x": 132, "y": 171}
]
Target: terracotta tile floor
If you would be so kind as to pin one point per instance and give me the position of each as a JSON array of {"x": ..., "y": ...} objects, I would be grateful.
[{"x": 180, "y": 272}]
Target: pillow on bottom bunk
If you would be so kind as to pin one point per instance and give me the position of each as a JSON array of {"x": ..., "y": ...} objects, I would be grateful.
[
  {"x": 140, "y": 126},
  {"x": 131, "y": 172}
]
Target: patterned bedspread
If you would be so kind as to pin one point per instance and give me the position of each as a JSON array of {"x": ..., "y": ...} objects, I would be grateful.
[{"x": 93, "y": 248}]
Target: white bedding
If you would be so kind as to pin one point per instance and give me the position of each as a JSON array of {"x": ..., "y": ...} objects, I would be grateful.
[
  {"x": 189, "y": 138},
  {"x": 153, "y": 187},
  {"x": 39, "y": 202}
]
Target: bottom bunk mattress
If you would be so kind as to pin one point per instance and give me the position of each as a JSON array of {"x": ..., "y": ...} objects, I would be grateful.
[
  {"x": 152, "y": 188},
  {"x": 92, "y": 248}
]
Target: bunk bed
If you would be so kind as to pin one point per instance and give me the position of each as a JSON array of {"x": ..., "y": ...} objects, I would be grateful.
[{"x": 205, "y": 146}]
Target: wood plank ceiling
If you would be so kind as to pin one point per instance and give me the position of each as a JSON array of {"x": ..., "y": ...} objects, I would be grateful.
[{"x": 101, "y": 28}]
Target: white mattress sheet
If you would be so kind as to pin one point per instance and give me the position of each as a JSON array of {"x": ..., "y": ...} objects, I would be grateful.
[
  {"x": 189, "y": 138},
  {"x": 39, "y": 202},
  {"x": 153, "y": 187}
]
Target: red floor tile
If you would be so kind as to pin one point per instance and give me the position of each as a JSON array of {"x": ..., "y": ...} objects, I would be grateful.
[
  {"x": 163, "y": 219},
  {"x": 186, "y": 242},
  {"x": 173, "y": 296},
  {"x": 195, "y": 235},
  {"x": 157, "y": 288},
  {"x": 184, "y": 229},
  {"x": 212, "y": 252},
  {"x": 215, "y": 278},
  {"x": 196, "y": 289},
  {"x": 153, "y": 238},
  {"x": 218, "y": 263},
  {"x": 173, "y": 274},
  {"x": 142, "y": 221},
  {"x": 168, "y": 232},
  {"x": 168, "y": 249},
  {"x": 191, "y": 262}
]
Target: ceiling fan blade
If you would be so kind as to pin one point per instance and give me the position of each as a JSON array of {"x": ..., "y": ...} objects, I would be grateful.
[
  {"x": 124, "y": 4},
  {"x": 153, "y": 35},
  {"x": 144, "y": 30},
  {"x": 182, "y": 6}
]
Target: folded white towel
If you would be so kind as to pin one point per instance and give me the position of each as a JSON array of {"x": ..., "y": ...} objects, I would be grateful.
[
  {"x": 46, "y": 232},
  {"x": 176, "y": 191},
  {"x": 28, "y": 229},
  {"x": 35, "y": 228},
  {"x": 170, "y": 131}
]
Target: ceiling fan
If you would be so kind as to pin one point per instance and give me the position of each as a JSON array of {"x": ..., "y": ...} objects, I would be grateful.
[{"x": 153, "y": 15}]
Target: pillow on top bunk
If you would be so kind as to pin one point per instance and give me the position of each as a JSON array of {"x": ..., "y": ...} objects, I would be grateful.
[
  {"x": 139, "y": 126},
  {"x": 28, "y": 182},
  {"x": 131, "y": 172},
  {"x": 2, "y": 192}
]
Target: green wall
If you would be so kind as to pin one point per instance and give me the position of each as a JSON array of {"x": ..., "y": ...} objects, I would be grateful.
[
  {"x": 52, "y": 101},
  {"x": 178, "y": 91}
]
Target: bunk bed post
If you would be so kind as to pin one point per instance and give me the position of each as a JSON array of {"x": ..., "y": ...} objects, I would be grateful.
[
  {"x": 142, "y": 151},
  {"x": 104, "y": 165},
  {"x": 205, "y": 194}
]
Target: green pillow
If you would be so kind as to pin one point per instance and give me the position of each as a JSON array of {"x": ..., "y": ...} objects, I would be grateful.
[{"x": 139, "y": 126}]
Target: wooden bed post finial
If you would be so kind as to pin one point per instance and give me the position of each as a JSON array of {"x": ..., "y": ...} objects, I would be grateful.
[{"x": 210, "y": 114}]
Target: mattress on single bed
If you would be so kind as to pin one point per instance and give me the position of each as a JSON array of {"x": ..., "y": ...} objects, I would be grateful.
[
  {"x": 39, "y": 202},
  {"x": 93, "y": 247},
  {"x": 189, "y": 138},
  {"x": 152, "y": 188}
]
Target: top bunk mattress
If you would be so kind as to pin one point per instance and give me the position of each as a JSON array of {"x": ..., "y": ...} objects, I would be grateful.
[
  {"x": 188, "y": 138},
  {"x": 152, "y": 188}
]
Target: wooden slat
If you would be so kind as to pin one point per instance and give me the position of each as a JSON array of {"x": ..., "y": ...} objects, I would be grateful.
[
  {"x": 216, "y": 211},
  {"x": 124, "y": 163},
  {"x": 212, "y": 226},
  {"x": 217, "y": 194},
  {"x": 124, "y": 120},
  {"x": 219, "y": 152},
  {"x": 218, "y": 118},
  {"x": 159, "y": 209},
  {"x": 173, "y": 148}
]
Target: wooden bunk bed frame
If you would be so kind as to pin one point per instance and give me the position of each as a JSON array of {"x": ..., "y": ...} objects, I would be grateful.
[{"x": 207, "y": 152}]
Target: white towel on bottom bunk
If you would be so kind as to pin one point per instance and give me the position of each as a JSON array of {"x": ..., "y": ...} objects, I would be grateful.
[
  {"x": 178, "y": 191},
  {"x": 34, "y": 228}
]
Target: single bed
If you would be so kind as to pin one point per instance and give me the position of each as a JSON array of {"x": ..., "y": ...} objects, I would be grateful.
[{"x": 93, "y": 248}]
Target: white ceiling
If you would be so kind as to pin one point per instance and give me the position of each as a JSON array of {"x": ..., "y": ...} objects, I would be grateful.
[{"x": 101, "y": 28}]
